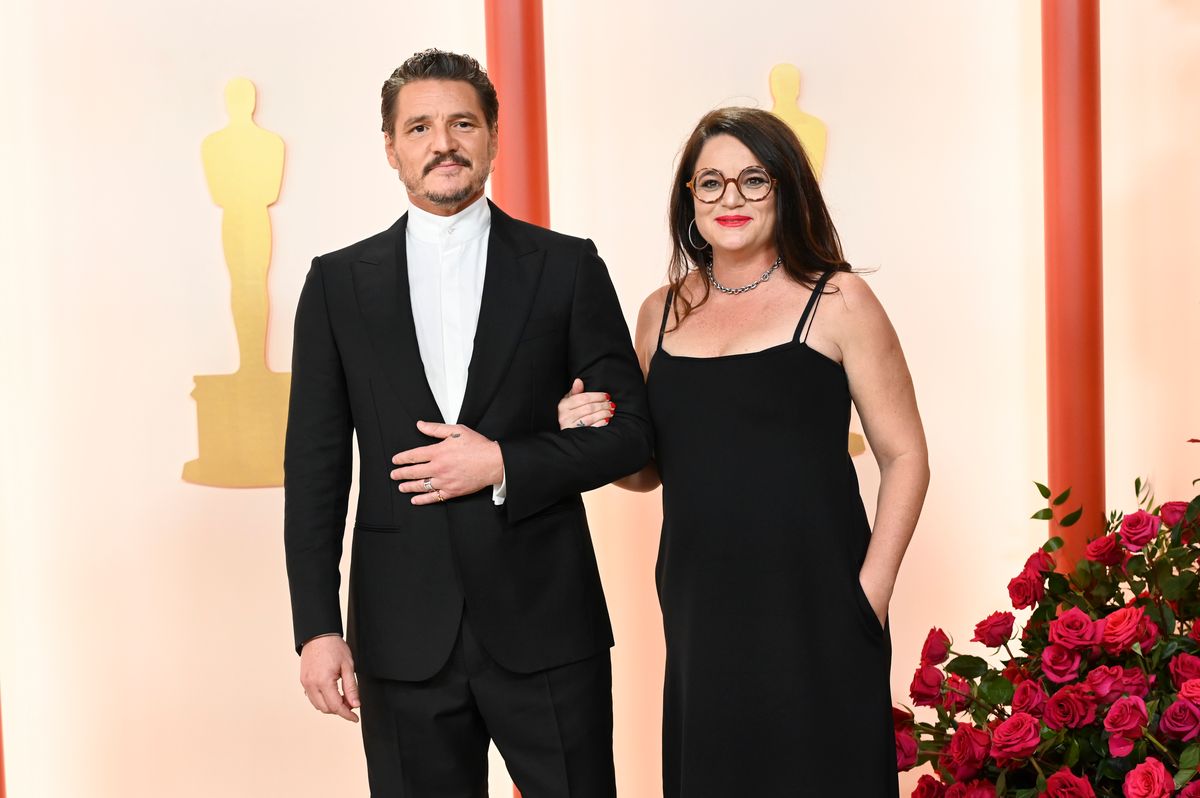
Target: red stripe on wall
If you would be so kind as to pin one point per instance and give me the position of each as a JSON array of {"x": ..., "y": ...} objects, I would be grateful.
[
  {"x": 1074, "y": 285},
  {"x": 516, "y": 65},
  {"x": 2, "y": 789}
]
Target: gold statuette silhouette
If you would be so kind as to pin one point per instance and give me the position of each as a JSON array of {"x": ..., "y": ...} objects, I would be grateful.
[
  {"x": 814, "y": 136},
  {"x": 242, "y": 416},
  {"x": 785, "y": 91}
]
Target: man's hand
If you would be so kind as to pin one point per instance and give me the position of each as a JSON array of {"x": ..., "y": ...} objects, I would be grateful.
[
  {"x": 461, "y": 464},
  {"x": 323, "y": 661}
]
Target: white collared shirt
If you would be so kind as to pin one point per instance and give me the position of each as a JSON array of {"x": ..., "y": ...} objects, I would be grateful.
[{"x": 447, "y": 260}]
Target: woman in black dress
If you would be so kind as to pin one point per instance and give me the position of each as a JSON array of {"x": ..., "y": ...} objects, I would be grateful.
[{"x": 774, "y": 590}]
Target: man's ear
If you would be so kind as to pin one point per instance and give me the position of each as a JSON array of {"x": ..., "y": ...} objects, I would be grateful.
[{"x": 387, "y": 149}]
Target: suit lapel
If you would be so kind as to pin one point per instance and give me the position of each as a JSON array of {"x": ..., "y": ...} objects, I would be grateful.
[
  {"x": 510, "y": 282},
  {"x": 381, "y": 286}
]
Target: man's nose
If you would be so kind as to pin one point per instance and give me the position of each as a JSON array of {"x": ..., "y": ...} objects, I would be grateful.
[{"x": 443, "y": 142}]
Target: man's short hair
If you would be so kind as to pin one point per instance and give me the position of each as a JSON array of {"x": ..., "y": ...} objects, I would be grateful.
[{"x": 436, "y": 64}]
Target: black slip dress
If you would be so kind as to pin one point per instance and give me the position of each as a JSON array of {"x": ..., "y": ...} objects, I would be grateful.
[{"x": 777, "y": 667}]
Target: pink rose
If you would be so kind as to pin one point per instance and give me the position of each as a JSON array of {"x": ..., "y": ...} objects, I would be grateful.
[
  {"x": 1183, "y": 668},
  {"x": 1149, "y": 780},
  {"x": 1134, "y": 682},
  {"x": 1030, "y": 698},
  {"x": 936, "y": 648},
  {"x": 929, "y": 787},
  {"x": 901, "y": 719},
  {"x": 1105, "y": 683},
  {"x": 1039, "y": 563},
  {"x": 1139, "y": 529},
  {"x": 958, "y": 694},
  {"x": 974, "y": 789},
  {"x": 1016, "y": 738},
  {"x": 1106, "y": 551},
  {"x": 1075, "y": 629},
  {"x": 1172, "y": 513},
  {"x": 966, "y": 752},
  {"x": 1059, "y": 664},
  {"x": 926, "y": 687},
  {"x": 906, "y": 751},
  {"x": 1180, "y": 721},
  {"x": 994, "y": 630},
  {"x": 1071, "y": 707},
  {"x": 1026, "y": 589},
  {"x": 1065, "y": 784},
  {"x": 1191, "y": 791},
  {"x": 1125, "y": 723},
  {"x": 1190, "y": 691},
  {"x": 1122, "y": 629}
]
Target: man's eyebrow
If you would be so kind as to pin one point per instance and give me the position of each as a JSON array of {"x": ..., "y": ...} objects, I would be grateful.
[{"x": 425, "y": 119}]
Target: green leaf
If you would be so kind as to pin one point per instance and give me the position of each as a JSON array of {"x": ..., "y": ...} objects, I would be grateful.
[
  {"x": 995, "y": 689},
  {"x": 1190, "y": 758},
  {"x": 1045, "y": 514},
  {"x": 1183, "y": 777},
  {"x": 1137, "y": 487},
  {"x": 1072, "y": 518},
  {"x": 967, "y": 666},
  {"x": 1177, "y": 587},
  {"x": 1042, "y": 489},
  {"x": 1072, "y": 754},
  {"x": 1053, "y": 544},
  {"x": 1057, "y": 584},
  {"x": 1062, "y": 497},
  {"x": 1083, "y": 574},
  {"x": 1193, "y": 510},
  {"x": 1168, "y": 623},
  {"x": 1028, "y": 792},
  {"x": 1041, "y": 783}
]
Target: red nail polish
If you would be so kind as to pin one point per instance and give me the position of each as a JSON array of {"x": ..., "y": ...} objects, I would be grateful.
[
  {"x": 612, "y": 405},
  {"x": 607, "y": 397}
]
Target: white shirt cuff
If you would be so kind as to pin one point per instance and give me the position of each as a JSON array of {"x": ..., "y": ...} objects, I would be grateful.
[{"x": 500, "y": 492}]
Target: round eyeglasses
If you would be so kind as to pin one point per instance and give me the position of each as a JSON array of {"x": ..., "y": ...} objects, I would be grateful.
[{"x": 753, "y": 183}]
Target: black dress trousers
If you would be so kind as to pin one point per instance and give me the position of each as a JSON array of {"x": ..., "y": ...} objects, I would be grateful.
[{"x": 429, "y": 739}]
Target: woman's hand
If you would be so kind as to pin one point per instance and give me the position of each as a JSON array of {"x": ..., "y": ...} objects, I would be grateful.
[{"x": 579, "y": 409}]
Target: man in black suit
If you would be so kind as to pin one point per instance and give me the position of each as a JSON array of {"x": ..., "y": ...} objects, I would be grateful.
[{"x": 445, "y": 343}]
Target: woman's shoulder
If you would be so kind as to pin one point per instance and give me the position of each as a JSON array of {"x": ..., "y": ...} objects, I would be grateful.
[{"x": 852, "y": 294}]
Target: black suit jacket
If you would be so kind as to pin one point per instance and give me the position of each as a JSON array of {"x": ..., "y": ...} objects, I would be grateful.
[{"x": 525, "y": 570}]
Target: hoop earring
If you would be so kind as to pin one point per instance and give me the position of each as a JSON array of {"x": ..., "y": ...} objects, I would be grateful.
[{"x": 692, "y": 241}]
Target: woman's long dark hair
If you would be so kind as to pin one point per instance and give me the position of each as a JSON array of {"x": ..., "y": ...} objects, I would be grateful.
[{"x": 804, "y": 234}]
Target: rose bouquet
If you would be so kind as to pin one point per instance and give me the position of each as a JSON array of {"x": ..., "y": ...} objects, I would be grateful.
[{"x": 1099, "y": 694}]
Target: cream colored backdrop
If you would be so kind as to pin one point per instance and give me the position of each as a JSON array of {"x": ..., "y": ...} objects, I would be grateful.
[{"x": 144, "y": 621}]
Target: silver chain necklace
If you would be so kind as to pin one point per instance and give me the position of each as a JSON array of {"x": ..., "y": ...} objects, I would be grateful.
[{"x": 708, "y": 267}]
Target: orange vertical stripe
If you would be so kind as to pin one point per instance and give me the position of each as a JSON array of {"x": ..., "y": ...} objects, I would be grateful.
[
  {"x": 1074, "y": 285},
  {"x": 516, "y": 64},
  {"x": 2, "y": 789}
]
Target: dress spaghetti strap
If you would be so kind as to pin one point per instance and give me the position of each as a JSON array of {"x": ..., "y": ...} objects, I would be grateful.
[
  {"x": 811, "y": 308},
  {"x": 662, "y": 328}
]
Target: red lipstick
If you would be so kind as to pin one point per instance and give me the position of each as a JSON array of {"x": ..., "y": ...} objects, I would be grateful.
[{"x": 733, "y": 221}]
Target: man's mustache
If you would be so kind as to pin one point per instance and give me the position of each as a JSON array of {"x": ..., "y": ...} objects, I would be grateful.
[{"x": 451, "y": 158}]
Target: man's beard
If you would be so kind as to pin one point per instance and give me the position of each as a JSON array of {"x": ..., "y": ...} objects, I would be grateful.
[{"x": 450, "y": 198}]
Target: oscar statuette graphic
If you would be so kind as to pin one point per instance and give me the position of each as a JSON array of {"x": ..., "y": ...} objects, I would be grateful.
[
  {"x": 785, "y": 91},
  {"x": 814, "y": 136},
  {"x": 242, "y": 416}
]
